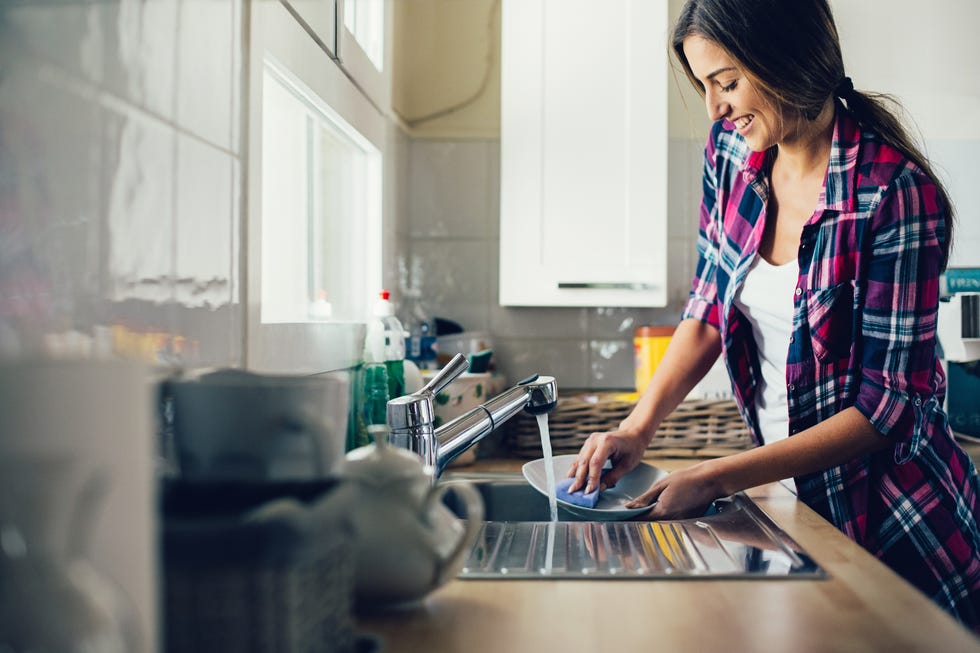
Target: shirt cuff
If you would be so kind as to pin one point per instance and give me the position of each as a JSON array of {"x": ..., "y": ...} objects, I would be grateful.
[
  {"x": 703, "y": 310},
  {"x": 893, "y": 414}
]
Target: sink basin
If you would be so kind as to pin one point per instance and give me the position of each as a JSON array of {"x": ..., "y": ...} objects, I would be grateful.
[
  {"x": 509, "y": 497},
  {"x": 733, "y": 539}
]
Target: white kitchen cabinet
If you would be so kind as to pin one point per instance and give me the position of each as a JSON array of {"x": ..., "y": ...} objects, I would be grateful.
[{"x": 583, "y": 180}]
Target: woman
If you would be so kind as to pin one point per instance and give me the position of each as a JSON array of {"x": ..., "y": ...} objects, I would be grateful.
[{"x": 823, "y": 233}]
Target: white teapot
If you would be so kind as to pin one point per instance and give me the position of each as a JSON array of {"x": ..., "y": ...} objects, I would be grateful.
[{"x": 407, "y": 541}]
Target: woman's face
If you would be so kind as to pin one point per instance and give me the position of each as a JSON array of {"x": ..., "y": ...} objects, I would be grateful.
[{"x": 730, "y": 95}]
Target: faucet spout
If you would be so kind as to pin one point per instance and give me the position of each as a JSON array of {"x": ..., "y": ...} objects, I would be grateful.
[
  {"x": 411, "y": 417},
  {"x": 535, "y": 395}
]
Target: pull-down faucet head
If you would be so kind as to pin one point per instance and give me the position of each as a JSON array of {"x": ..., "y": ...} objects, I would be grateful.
[{"x": 411, "y": 417}]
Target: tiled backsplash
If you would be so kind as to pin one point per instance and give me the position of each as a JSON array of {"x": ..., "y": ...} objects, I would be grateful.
[
  {"x": 453, "y": 232},
  {"x": 120, "y": 168}
]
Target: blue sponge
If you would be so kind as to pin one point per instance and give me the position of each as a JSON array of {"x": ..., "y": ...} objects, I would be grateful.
[{"x": 579, "y": 497}]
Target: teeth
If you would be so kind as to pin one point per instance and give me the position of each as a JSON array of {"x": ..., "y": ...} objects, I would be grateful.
[{"x": 742, "y": 122}]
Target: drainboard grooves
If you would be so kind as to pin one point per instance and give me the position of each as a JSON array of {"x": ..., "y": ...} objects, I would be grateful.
[
  {"x": 614, "y": 563},
  {"x": 655, "y": 547},
  {"x": 553, "y": 551},
  {"x": 502, "y": 533},
  {"x": 532, "y": 547},
  {"x": 682, "y": 553},
  {"x": 641, "y": 565},
  {"x": 478, "y": 554},
  {"x": 514, "y": 557},
  {"x": 579, "y": 556},
  {"x": 737, "y": 540}
]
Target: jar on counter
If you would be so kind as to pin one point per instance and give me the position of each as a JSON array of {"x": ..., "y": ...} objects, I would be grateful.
[{"x": 649, "y": 345}]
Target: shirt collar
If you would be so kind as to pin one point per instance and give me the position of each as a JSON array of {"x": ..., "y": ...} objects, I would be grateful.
[
  {"x": 840, "y": 185},
  {"x": 838, "y": 191}
]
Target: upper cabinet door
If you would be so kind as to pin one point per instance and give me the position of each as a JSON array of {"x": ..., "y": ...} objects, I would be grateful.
[{"x": 583, "y": 206}]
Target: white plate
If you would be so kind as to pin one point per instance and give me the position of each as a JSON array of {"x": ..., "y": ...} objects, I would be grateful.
[{"x": 610, "y": 506}]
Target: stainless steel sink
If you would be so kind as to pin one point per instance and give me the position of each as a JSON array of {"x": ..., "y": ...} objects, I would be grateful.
[{"x": 733, "y": 539}]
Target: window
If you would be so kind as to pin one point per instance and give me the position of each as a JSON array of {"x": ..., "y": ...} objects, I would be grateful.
[
  {"x": 316, "y": 152},
  {"x": 365, "y": 20},
  {"x": 321, "y": 202}
]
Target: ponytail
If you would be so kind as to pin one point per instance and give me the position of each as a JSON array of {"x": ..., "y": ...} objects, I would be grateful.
[{"x": 872, "y": 111}]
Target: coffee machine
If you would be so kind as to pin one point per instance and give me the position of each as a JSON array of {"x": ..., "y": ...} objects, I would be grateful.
[{"x": 959, "y": 337}]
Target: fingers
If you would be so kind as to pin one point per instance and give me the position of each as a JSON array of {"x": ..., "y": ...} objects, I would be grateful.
[
  {"x": 648, "y": 497},
  {"x": 595, "y": 469},
  {"x": 588, "y": 465}
]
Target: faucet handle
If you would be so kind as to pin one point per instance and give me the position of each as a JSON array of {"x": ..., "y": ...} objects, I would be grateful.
[{"x": 446, "y": 375}]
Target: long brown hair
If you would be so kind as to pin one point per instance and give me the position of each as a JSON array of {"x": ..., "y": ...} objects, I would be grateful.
[{"x": 791, "y": 52}]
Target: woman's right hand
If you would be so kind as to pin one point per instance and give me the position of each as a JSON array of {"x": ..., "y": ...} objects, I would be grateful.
[{"x": 624, "y": 447}]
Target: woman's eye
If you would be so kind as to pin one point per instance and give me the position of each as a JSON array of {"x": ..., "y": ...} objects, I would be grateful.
[{"x": 730, "y": 87}]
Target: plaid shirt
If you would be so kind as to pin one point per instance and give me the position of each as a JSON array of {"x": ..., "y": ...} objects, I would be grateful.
[{"x": 864, "y": 335}]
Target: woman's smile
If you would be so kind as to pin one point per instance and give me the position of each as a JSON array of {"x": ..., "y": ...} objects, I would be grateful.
[{"x": 729, "y": 94}]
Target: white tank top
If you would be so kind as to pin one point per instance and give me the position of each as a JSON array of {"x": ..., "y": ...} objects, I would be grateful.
[{"x": 766, "y": 299}]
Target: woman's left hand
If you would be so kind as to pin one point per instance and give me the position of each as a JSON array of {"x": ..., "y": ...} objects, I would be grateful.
[{"x": 682, "y": 494}]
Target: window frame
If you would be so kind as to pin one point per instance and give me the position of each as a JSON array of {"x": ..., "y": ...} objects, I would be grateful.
[{"x": 274, "y": 29}]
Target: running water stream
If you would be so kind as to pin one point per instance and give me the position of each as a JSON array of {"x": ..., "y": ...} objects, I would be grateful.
[
  {"x": 549, "y": 471},
  {"x": 549, "y": 468}
]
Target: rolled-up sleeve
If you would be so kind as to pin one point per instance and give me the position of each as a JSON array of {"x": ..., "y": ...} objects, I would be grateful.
[
  {"x": 702, "y": 301},
  {"x": 900, "y": 309}
]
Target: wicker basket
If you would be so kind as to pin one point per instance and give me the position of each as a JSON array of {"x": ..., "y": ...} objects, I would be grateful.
[
  {"x": 277, "y": 577},
  {"x": 697, "y": 428}
]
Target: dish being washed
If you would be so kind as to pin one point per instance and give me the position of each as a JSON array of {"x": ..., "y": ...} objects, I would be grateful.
[{"x": 611, "y": 503}]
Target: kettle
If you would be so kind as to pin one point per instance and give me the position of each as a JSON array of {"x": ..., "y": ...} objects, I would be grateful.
[{"x": 408, "y": 542}]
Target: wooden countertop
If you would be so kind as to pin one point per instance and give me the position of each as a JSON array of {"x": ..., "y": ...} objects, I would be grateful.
[{"x": 862, "y": 606}]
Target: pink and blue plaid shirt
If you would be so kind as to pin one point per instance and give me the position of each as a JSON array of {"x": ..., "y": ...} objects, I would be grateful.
[{"x": 864, "y": 335}]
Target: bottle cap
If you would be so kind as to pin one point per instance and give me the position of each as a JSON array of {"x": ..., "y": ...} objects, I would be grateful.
[{"x": 383, "y": 307}]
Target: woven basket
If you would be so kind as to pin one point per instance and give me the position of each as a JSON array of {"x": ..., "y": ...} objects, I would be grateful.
[
  {"x": 258, "y": 580},
  {"x": 697, "y": 428}
]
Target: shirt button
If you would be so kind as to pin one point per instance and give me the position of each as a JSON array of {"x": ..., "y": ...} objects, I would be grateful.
[
  {"x": 791, "y": 387},
  {"x": 918, "y": 401},
  {"x": 799, "y": 291},
  {"x": 792, "y": 339}
]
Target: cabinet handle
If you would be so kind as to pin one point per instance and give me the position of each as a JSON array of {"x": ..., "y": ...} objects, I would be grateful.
[{"x": 608, "y": 285}]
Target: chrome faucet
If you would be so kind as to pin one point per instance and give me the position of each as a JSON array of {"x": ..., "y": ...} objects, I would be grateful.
[{"x": 411, "y": 417}]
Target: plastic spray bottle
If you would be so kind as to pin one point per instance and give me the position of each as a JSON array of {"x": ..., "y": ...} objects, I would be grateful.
[
  {"x": 394, "y": 344},
  {"x": 374, "y": 383}
]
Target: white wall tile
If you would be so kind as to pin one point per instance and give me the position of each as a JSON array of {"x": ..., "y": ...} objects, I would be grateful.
[
  {"x": 455, "y": 280},
  {"x": 611, "y": 364},
  {"x": 49, "y": 191},
  {"x": 450, "y": 189},
  {"x": 139, "y": 188},
  {"x": 205, "y": 219},
  {"x": 565, "y": 359},
  {"x": 206, "y": 73},
  {"x": 140, "y": 52},
  {"x": 67, "y": 34},
  {"x": 620, "y": 323},
  {"x": 539, "y": 322}
]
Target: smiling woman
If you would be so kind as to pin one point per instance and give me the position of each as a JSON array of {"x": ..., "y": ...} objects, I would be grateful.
[{"x": 814, "y": 187}]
